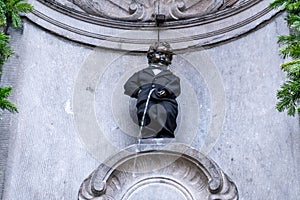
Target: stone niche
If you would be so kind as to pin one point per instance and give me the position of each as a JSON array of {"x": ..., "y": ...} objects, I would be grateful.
[
  {"x": 130, "y": 25},
  {"x": 74, "y": 118},
  {"x": 158, "y": 170}
]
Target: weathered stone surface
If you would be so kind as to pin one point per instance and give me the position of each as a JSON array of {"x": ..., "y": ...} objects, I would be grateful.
[
  {"x": 72, "y": 113},
  {"x": 40, "y": 162},
  {"x": 258, "y": 146},
  {"x": 9, "y": 78},
  {"x": 189, "y": 30},
  {"x": 146, "y": 10},
  {"x": 172, "y": 170}
]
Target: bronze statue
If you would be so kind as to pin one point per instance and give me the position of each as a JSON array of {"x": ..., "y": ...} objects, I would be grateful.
[{"x": 156, "y": 89}]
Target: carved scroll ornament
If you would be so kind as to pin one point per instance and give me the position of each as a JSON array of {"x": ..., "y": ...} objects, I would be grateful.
[
  {"x": 191, "y": 23},
  {"x": 185, "y": 172},
  {"x": 145, "y": 10}
]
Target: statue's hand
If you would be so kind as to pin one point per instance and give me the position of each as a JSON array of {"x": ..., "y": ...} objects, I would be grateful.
[{"x": 162, "y": 93}]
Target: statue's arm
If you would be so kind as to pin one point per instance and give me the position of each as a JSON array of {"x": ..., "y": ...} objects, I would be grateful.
[
  {"x": 132, "y": 86},
  {"x": 173, "y": 87}
]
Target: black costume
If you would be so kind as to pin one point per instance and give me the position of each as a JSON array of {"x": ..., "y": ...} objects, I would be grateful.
[{"x": 162, "y": 109}]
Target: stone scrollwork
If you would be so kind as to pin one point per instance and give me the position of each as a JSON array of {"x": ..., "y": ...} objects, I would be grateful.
[
  {"x": 191, "y": 9},
  {"x": 138, "y": 10},
  {"x": 173, "y": 172},
  {"x": 125, "y": 10},
  {"x": 130, "y": 25}
]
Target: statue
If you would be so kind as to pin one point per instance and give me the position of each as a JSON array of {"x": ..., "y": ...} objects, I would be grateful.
[{"x": 156, "y": 89}]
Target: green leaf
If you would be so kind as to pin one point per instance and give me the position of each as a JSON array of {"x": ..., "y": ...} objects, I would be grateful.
[
  {"x": 4, "y": 103},
  {"x": 5, "y": 92},
  {"x": 9, "y": 15},
  {"x": 23, "y": 7},
  {"x": 2, "y": 14},
  {"x": 5, "y": 50},
  {"x": 293, "y": 6},
  {"x": 288, "y": 96},
  {"x": 275, "y": 4},
  {"x": 13, "y": 8},
  {"x": 16, "y": 20}
]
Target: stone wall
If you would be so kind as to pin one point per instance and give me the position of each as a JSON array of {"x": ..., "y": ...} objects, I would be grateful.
[{"x": 73, "y": 114}]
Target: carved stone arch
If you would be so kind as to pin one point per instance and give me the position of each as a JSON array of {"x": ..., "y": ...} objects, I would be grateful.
[
  {"x": 129, "y": 24},
  {"x": 175, "y": 171},
  {"x": 129, "y": 10}
]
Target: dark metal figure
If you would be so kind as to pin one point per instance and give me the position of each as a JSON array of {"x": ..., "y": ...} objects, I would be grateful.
[{"x": 156, "y": 89}]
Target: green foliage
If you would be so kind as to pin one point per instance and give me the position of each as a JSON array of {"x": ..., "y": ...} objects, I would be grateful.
[
  {"x": 5, "y": 50},
  {"x": 288, "y": 5},
  {"x": 4, "y": 103},
  {"x": 290, "y": 45},
  {"x": 10, "y": 10},
  {"x": 2, "y": 13},
  {"x": 289, "y": 93},
  {"x": 9, "y": 15}
]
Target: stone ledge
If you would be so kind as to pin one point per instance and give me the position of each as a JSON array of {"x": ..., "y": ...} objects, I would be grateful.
[{"x": 160, "y": 167}]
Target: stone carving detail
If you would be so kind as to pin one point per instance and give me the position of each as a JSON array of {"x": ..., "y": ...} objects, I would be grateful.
[
  {"x": 138, "y": 10},
  {"x": 201, "y": 22},
  {"x": 183, "y": 173}
]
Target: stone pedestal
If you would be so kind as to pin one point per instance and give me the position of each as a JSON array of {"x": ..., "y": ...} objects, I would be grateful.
[{"x": 158, "y": 169}]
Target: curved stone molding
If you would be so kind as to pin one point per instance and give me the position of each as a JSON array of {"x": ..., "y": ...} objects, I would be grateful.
[
  {"x": 174, "y": 171},
  {"x": 129, "y": 10},
  {"x": 130, "y": 26}
]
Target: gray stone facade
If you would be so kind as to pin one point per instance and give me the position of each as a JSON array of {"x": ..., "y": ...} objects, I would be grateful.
[{"x": 73, "y": 114}]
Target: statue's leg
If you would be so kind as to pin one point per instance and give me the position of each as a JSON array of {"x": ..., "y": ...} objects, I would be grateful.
[
  {"x": 150, "y": 126},
  {"x": 143, "y": 120},
  {"x": 169, "y": 123}
]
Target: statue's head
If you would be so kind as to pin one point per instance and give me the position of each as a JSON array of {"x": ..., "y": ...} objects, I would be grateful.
[{"x": 160, "y": 53}]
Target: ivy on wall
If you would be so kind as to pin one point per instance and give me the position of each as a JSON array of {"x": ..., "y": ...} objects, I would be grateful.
[
  {"x": 9, "y": 16},
  {"x": 289, "y": 93}
]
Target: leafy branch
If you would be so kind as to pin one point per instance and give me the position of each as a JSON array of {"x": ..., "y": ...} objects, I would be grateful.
[
  {"x": 289, "y": 93},
  {"x": 4, "y": 103},
  {"x": 9, "y": 16}
]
